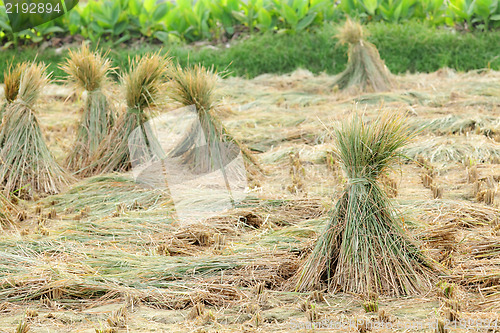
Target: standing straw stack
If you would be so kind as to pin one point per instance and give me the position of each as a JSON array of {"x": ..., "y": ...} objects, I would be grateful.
[
  {"x": 88, "y": 71},
  {"x": 12, "y": 76},
  {"x": 143, "y": 84},
  {"x": 27, "y": 164},
  {"x": 364, "y": 249},
  {"x": 365, "y": 70},
  {"x": 196, "y": 86}
]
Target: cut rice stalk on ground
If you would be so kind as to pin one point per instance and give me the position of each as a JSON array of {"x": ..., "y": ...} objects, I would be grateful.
[
  {"x": 7, "y": 211},
  {"x": 455, "y": 149},
  {"x": 365, "y": 70},
  {"x": 364, "y": 248},
  {"x": 88, "y": 71},
  {"x": 143, "y": 84},
  {"x": 27, "y": 166}
]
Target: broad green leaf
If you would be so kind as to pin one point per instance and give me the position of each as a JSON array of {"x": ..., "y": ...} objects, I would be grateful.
[
  {"x": 135, "y": 7},
  {"x": 370, "y": 5},
  {"x": 240, "y": 16},
  {"x": 300, "y": 7},
  {"x": 397, "y": 12},
  {"x": 52, "y": 29},
  {"x": 119, "y": 28},
  {"x": 264, "y": 19},
  {"x": 123, "y": 39},
  {"x": 160, "y": 12},
  {"x": 115, "y": 15},
  {"x": 5, "y": 26},
  {"x": 150, "y": 5},
  {"x": 162, "y": 36},
  {"x": 306, "y": 21},
  {"x": 289, "y": 15}
]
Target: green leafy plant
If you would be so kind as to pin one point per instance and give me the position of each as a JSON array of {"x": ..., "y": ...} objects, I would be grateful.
[
  {"x": 149, "y": 17},
  {"x": 222, "y": 14},
  {"x": 485, "y": 11},
  {"x": 397, "y": 10},
  {"x": 433, "y": 11},
  {"x": 248, "y": 13},
  {"x": 295, "y": 15},
  {"x": 461, "y": 10},
  {"x": 189, "y": 21},
  {"x": 119, "y": 21}
]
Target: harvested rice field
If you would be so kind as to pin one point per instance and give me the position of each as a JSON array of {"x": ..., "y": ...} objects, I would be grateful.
[{"x": 108, "y": 255}]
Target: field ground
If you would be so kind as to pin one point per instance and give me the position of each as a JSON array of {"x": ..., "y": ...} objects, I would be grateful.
[{"x": 114, "y": 254}]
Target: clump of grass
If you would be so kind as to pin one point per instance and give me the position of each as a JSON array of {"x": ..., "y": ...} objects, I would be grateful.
[
  {"x": 437, "y": 191},
  {"x": 370, "y": 303},
  {"x": 364, "y": 247},
  {"x": 487, "y": 196},
  {"x": 88, "y": 71},
  {"x": 427, "y": 180},
  {"x": 441, "y": 327},
  {"x": 385, "y": 317},
  {"x": 451, "y": 315},
  {"x": 447, "y": 290},
  {"x": 197, "y": 310},
  {"x": 219, "y": 241},
  {"x": 365, "y": 70},
  {"x": 317, "y": 296},
  {"x": 143, "y": 86},
  {"x": 297, "y": 174},
  {"x": 370, "y": 306},
  {"x": 118, "y": 318},
  {"x": 27, "y": 166},
  {"x": 23, "y": 327},
  {"x": 312, "y": 313},
  {"x": 197, "y": 86},
  {"x": 472, "y": 172}
]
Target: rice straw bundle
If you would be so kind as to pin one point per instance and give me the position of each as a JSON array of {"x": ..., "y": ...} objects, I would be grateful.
[
  {"x": 88, "y": 71},
  {"x": 364, "y": 249},
  {"x": 12, "y": 76},
  {"x": 365, "y": 70},
  {"x": 27, "y": 164},
  {"x": 197, "y": 86},
  {"x": 143, "y": 84}
]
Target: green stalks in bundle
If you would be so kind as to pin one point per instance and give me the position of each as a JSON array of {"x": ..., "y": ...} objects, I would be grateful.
[
  {"x": 143, "y": 84},
  {"x": 27, "y": 164},
  {"x": 197, "y": 86},
  {"x": 88, "y": 71},
  {"x": 365, "y": 70},
  {"x": 364, "y": 249}
]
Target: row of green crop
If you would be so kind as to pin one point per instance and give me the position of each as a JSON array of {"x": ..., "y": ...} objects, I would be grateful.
[{"x": 192, "y": 20}]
